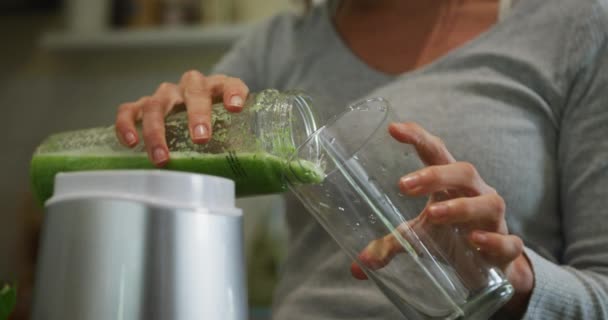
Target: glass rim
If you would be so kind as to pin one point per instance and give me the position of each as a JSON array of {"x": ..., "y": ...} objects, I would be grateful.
[
  {"x": 334, "y": 119},
  {"x": 302, "y": 103}
]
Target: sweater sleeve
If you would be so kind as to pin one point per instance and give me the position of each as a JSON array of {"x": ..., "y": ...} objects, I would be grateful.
[{"x": 576, "y": 286}]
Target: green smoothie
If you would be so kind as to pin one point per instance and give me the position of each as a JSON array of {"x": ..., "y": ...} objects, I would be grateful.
[
  {"x": 250, "y": 147},
  {"x": 253, "y": 173}
]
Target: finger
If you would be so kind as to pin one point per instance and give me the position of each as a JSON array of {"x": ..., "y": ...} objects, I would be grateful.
[
  {"x": 235, "y": 94},
  {"x": 128, "y": 114},
  {"x": 198, "y": 93},
  {"x": 169, "y": 95},
  {"x": 357, "y": 271},
  {"x": 487, "y": 210},
  {"x": 461, "y": 176},
  {"x": 380, "y": 252},
  {"x": 153, "y": 123},
  {"x": 430, "y": 149},
  {"x": 498, "y": 249}
]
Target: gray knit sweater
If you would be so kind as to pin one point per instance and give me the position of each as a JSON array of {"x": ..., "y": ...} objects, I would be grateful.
[{"x": 526, "y": 103}]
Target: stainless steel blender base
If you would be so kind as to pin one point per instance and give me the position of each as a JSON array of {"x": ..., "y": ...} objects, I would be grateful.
[{"x": 108, "y": 258}]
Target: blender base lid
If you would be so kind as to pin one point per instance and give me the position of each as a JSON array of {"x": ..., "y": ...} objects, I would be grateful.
[{"x": 155, "y": 187}]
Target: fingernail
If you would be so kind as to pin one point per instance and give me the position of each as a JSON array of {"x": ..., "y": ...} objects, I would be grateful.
[
  {"x": 410, "y": 181},
  {"x": 130, "y": 138},
  {"x": 479, "y": 237},
  {"x": 236, "y": 101},
  {"x": 159, "y": 155},
  {"x": 438, "y": 210},
  {"x": 199, "y": 132}
]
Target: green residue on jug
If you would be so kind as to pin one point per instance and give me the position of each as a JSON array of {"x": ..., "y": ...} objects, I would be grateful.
[{"x": 253, "y": 173}]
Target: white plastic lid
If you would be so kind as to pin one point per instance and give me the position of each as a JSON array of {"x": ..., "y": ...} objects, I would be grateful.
[{"x": 156, "y": 187}]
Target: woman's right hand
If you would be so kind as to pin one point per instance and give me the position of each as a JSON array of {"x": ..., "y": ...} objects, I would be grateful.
[{"x": 196, "y": 92}]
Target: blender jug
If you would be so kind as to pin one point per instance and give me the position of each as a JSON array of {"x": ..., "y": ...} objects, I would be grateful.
[
  {"x": 249, "y": 147},
  {"x": 427, "y": 271},
  {"x": 141, "y": 245}
]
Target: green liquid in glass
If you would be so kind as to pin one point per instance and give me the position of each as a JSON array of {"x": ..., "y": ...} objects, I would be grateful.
[{"x": 253, "y": 173}]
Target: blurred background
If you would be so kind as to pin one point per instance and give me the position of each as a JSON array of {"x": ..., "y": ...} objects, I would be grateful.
[{"x": 68, "y": 64}]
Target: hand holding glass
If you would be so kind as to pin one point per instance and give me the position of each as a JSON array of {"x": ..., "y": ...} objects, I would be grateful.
[{"x": 428, "y": 271}]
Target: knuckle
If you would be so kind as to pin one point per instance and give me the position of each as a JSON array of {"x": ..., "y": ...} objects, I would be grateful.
[
  {"x": 165, "y": 86},
  {"x": 192, "y": 81},
  {"x": 145, "y": 100},
  {"x": 414, "y": 133},
  {"x": 465, "y": 207},
  {"x": 412, "y": 125},
  {"x": 148, "y": 136},
  {"x": 162, "y": 100},
  {"x": 220, "y": 77},
  {"x": 437, "y": 142},
  {"x": 154, "y": 122},
  {"x": 498, "y": 204},
  {"x": 125, "y": 107},
  {"x": 141, "y": 100},
  {"x": 502, "y": 205},
  {"x": 151, "y": 135},
  {"x": 153, "y": 104},
  {"x": 468, "y": 169},
  {"x": 237, "y": 85},
  {"x": 198, "y": 116},
  {"x": 192, "y": 74},
  {"x": 198, "y": 89},
  {"x": 431, "y": 174},
  {"x": 511, "y": 247},
  {"x": 418, "y": 132},
  {"x": 121, "y": 126},
  {"x": 148, "y": 110},
  {"x": 518, "y": 244},
  {"x": 243, "y": 86},
  {"x": 123, "y": 122},
  {"x": 491, "y": 190}
]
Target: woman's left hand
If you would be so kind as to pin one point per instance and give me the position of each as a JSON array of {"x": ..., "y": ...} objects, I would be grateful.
[{"x": 457, "y": 195}]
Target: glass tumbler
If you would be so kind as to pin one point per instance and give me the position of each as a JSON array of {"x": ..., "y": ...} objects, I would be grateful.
[{"x": 428, "y": 271}]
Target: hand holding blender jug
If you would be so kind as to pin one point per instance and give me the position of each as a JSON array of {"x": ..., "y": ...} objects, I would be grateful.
[{"x": 427, "y": 270}]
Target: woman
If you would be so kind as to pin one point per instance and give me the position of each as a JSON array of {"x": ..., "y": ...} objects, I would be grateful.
[{"x": 520, "y": 103}]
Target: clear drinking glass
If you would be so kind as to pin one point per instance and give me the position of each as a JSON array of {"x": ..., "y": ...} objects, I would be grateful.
[{"x": 427, "y": 271}]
